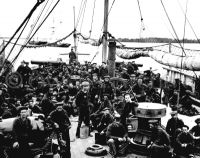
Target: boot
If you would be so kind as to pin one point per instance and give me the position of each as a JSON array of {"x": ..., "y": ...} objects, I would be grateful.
[
  {"x": 90, "y": 135},
  {"x": 78, "y": 132}
]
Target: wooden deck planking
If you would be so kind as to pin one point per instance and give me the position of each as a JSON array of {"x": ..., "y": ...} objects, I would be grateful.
[{"x": 79, "y": 146}]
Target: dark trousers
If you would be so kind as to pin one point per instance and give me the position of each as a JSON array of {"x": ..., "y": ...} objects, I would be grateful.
[
  {"x": 66, "y": 138},
  {"x": 84, "y": 116},
  {"x": 23, "y": 151}
]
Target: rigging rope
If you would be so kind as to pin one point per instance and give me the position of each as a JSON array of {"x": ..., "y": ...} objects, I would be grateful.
[
  {"x": 21, "y": 25},
  {"x": 92, "y": 18},
  {"x": 33, "y": 27},
  {"x": 14, "y": 44},
  {"x": 190, "y": 24},
  {"x": 177, "y": 39},
  {"x": 83, "y": 15},
  {"x": 79, "y": 13},
  {"x": 36, "y": 31},
  {"x": 142, "y": 28},
  {"x": 107, "y": 15}
]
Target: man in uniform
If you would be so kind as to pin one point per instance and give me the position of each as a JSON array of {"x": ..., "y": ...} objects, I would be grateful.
[
  {"x": 195, "y": 131},
  {"x": 185, "y": 143},
  {"x": 159, "y": 142},
  {"x": 22, "y": 130},
  {"x": 107, "y": 89},
  {"x": 72, "y": 56},
  {"x": 130, "y": 107},
  {"x": 174, "y": 125},
  {"x": 61, "y": 121},
  {"x": 117, "y": 138},
  {"x": 82, "y": 102}
]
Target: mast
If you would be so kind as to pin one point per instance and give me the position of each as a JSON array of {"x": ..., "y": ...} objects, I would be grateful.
[
  {"x": 75, "y": 36},
  {"x": 105, "y": 31}
]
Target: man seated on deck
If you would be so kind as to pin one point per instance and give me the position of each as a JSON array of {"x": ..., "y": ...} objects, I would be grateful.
[
  {"x": 61, "y": 121},
  {"x": 195, "y": 131},
  {"x": 117, "y": 138},
  {"x": 139, "y": 89},
  {"x": 21, "y": 133},
  {"x": 129, "y": 108},
  {"x": 185, "y": 142},
  {"x": 174, "y": 125},
  {"x": 159, "y": 142}
]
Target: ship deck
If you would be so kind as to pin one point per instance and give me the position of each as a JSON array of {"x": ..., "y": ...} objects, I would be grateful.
[{"x": 79, "y": 146}]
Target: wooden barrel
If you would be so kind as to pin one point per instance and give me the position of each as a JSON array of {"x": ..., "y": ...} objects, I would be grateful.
[{"x": 151, "y": 110}]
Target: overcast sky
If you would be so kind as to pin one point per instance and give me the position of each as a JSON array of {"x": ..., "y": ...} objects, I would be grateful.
[{"x": 124, "y": 18}]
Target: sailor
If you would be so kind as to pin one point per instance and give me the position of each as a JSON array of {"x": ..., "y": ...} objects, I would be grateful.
[
  {"x": 61, "y": 121},
  {"x": 95, "y": 69},
  {"x": 72, "y": 56},
  {"x": 130, "y": 107},
  {"x": 103, "y": 71},
  {"x": 195, "y": 131},
  {"x": 124, "y": 74},
  {"x": 159, "y": 142},
  {"x": 139, "y": 89},
  {"x": 107, "y": 89},
  {"x": 117, "y": 138},
  {"x": 184, "y": 142},
  {"x": 22, "y": 131},
  {"x": 174, "y": 126},
  {"x": 82, "y": 102},
  {"x": 95, "y": 88}
]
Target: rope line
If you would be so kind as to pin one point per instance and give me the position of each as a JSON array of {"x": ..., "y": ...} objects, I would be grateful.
[
  {"x": 79, "y": 13},
  {"x": 36, "y": 31},
  {"x": 24, "y": 21},
  {"x": 92, "y": 18},
  {"x": 190, "y": 24},
  {"x": 85, "y": 4},
  {"x": 177, "y": 39}
]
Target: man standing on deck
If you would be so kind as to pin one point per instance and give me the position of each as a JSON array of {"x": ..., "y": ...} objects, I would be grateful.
[
  {"x": 72, "y": 56},
  {"x": 82, "y": 102}
]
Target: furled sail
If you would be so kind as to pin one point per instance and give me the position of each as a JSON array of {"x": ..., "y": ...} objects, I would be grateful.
[
  {"x": 132, "y": 53},
  {"x": 169, "y": 55},
  {"x": 185, "y": 62}
]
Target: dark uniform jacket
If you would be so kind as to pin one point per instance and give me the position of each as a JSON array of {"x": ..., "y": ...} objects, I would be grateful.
[
  {"x": 129, "y": 107},
  {"x": 82, "y": 99},
  {"x": 22, "y": 130},
  {"x": 116, "y": 129},
  {"x": 173, "y": 125},
  {"x": 61, "y": 118}
]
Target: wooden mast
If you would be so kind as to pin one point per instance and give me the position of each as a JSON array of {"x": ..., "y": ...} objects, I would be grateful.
[
  {"x": 75, "y": 36},
  {"x": 105, "y": 31}
]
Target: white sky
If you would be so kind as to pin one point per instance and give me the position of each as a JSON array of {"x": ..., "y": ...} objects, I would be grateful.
[{"x": 124, "y": 18}]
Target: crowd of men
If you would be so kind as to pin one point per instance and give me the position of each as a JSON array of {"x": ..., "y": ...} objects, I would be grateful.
[{"x": 62, "y": 91}]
